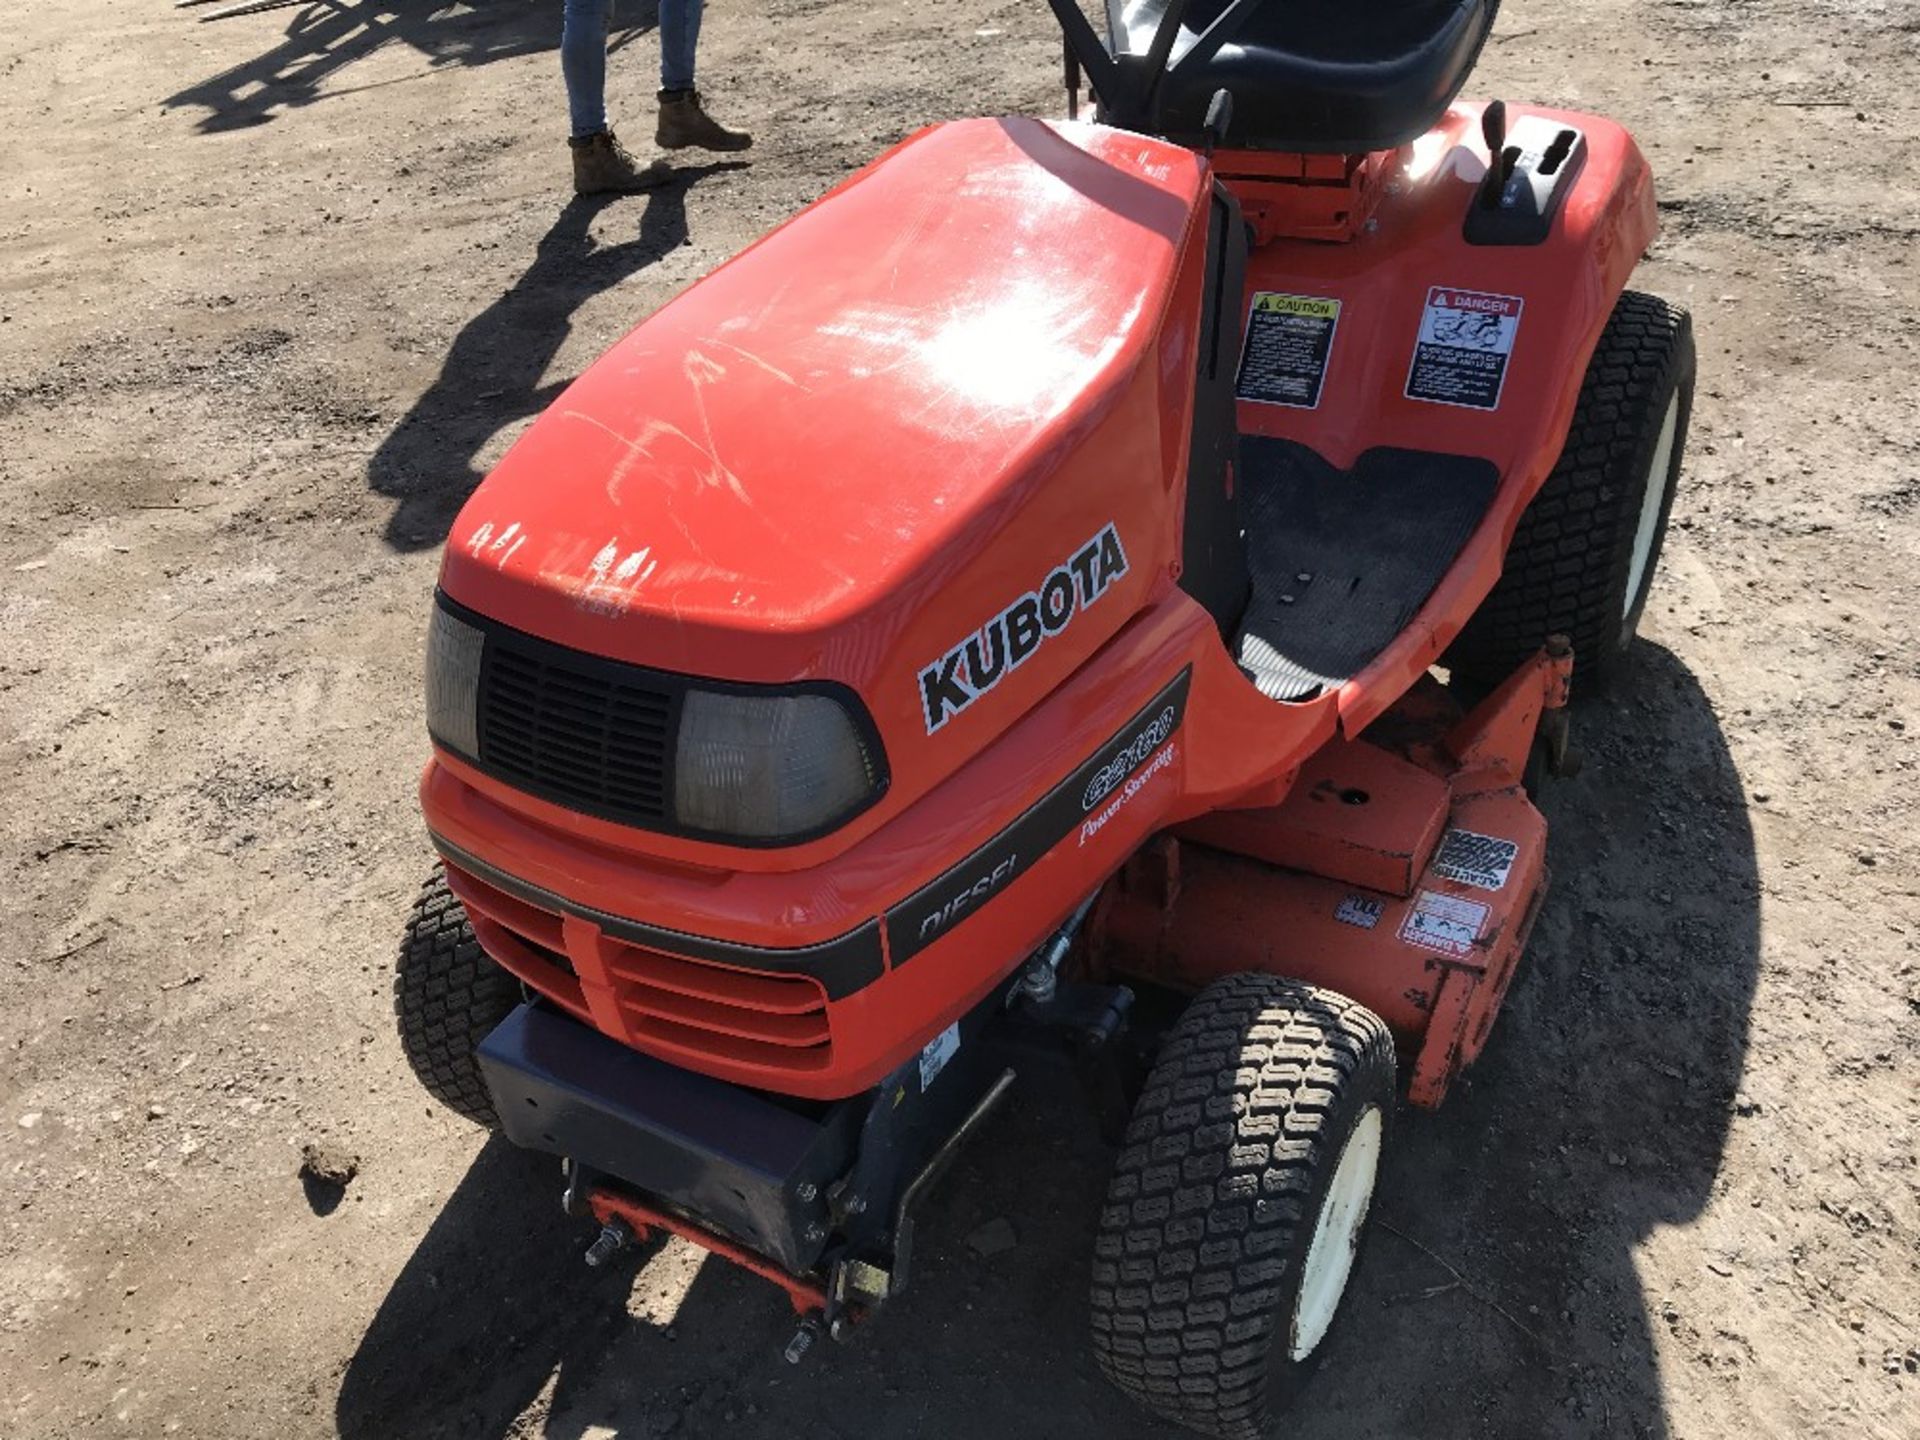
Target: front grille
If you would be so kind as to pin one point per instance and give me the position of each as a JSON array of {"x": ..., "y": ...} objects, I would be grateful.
[
  {"x": 670, "y": 1005},
  {"x": 739, "y": 1015},
  {"x": 583, "y": 732}
]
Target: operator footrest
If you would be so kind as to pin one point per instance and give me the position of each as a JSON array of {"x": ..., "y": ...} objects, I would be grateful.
[{"x": 1343, "y": 559}]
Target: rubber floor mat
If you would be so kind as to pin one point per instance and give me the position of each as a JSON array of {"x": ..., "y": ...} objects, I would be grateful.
[{"x": 1342, "y": 559}]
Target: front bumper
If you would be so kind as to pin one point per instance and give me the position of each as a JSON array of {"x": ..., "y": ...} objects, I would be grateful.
[
  {"x": 736, "y": 1161},
  {"x": 794, "y": 1190}
]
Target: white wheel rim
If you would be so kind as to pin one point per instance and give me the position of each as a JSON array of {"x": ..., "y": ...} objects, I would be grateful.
[
  {"x": 1654, "y": 497},
  {"x": 1336, "y": 1236}
]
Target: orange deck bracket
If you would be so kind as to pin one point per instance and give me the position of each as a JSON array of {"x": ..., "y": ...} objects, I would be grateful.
[
  {"x": 1496, "y": 738},
  {"x": 1470, "y": 997},
  {"x": 1307, "y": 197},
  {"x": 607, "y": 1205}
]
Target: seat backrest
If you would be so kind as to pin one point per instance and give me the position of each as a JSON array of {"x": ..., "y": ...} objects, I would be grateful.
[{"x": 1314, "y": 76}]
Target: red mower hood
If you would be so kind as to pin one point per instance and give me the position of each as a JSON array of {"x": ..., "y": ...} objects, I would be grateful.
[{"x": 863, "y": 440}]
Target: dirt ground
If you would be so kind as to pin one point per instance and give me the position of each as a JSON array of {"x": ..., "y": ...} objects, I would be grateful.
[{"x": 276, "y": 290}]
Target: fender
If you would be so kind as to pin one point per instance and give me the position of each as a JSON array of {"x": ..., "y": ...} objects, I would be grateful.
[{"x": 1562, "y": 289}]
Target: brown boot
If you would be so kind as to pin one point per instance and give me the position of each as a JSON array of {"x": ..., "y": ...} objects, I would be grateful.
[
  {"x": 602, "y": 165},
  {"x": 684, "y": 122}
]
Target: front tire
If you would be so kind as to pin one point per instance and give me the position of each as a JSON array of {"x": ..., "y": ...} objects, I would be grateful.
[
  {"x": 447, "y": 995},
  {"x": 1238, "y": 1202},
  {"x": 1583, "y": 557}
]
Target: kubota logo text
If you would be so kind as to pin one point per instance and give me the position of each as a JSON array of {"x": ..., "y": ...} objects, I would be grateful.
[{"x": 980, "y": 662}]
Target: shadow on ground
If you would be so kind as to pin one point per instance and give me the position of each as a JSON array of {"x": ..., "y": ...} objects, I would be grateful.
[
  {"x": 326, "y": 37},
  {"x": 430, "y": 462},
  {"x": 1502, "y": 1301}
]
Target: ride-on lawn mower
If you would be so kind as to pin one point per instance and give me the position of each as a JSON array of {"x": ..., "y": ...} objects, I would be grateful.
[{"x": 1081, "y": 598}]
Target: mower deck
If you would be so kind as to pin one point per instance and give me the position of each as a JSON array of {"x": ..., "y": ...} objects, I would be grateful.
[
  {"x": 1406, "y": 873},
  {"x": 1341, "y": 560}
]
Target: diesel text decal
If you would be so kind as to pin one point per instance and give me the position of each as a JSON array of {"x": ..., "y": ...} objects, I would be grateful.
[{"x": 1085, "y": 801}]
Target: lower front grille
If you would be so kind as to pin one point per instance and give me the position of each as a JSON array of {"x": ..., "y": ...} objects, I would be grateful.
[{"x": 654, "y": 1001}]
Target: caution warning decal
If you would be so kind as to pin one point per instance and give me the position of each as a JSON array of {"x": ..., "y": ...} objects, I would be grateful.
[
  {"x": 1289, "y": 342},
  {"x": 1482, "y": 861},
  {"x": 1466, "y": 339}
]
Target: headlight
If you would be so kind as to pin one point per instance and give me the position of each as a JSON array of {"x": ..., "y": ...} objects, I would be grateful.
[
  {"x": 453, "y": 682},
  {"x": 769, "y": 767},
  {"x": 745, "y": 765}
]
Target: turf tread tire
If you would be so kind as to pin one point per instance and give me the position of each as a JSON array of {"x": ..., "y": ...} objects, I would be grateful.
[
  {"x": 1215, "y": 1193},
  {"x": 1567, "y": 568},
  {"x": 447, "y": 994}
]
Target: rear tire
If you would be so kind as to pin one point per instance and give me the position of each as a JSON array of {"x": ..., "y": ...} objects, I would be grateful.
[
  {"x": 1583, "y": 557},
  {"x": 447, "y": 994},
  {"x": 1238, "y": 1202}
]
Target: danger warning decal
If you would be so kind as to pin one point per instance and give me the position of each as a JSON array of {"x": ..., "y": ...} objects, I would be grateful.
[
  {"x": 1466, "y": 339},
  {"x": 1289, "y": 342},
  {"x": 1444, "y": 924},
  {"x": 980, "y": 662},
  {"x": 1482, "y": 861}
]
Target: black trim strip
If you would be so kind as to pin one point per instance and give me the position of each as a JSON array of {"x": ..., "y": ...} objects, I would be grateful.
[
  {"x": 843, "y": 965},
  {"x": 932, "y": 912}
]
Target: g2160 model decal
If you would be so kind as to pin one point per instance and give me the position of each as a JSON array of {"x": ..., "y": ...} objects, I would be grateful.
[
  {"x": 980, "y": 662},
  {"x": 1131, "y": 755},
  {"x": 1084, "y": 801}
]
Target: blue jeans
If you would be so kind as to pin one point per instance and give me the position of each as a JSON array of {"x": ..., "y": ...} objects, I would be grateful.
[{"x": 583, "y": 55}]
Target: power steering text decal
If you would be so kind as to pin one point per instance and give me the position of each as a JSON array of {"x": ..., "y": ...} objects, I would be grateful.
[
  {"x": 980, "y": 662},
  {"x": 1083, "y": 803}
]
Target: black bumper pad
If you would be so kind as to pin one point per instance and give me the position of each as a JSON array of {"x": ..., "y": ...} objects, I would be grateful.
[{"x": 729, "y": 1158}]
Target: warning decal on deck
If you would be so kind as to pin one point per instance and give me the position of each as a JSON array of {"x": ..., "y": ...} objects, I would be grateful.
[
  {"x": 1289, "y": 342},
  {"x": 1361, "y": 910},
  {"x": 1466, "y": 338},
  {"x": 1482, "y": 861},
  {"x": 933, "y": 1059},
  {"x": 1444, "y": 924}
]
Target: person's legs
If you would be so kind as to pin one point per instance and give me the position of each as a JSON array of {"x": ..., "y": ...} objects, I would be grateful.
[
  {"x": 683, "y": 119},
  {"x": 679, "y": 40},
  {"x": 601, "y": 164},
  {"x": 583, "y": 61}
]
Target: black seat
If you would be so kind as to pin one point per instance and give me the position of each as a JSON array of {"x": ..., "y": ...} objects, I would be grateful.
[{"x": 1318, "y": 76}]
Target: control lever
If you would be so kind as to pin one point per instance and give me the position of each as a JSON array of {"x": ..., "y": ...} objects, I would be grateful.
[
  {"x": 1493, "y": 126},
  {"x": 1219, "y": 118}
]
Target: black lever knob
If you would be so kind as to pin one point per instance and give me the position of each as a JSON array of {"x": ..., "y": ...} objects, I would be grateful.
[
  {"x": 1493, "y": 126},
  {"x": 1219, "y": 118}
]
